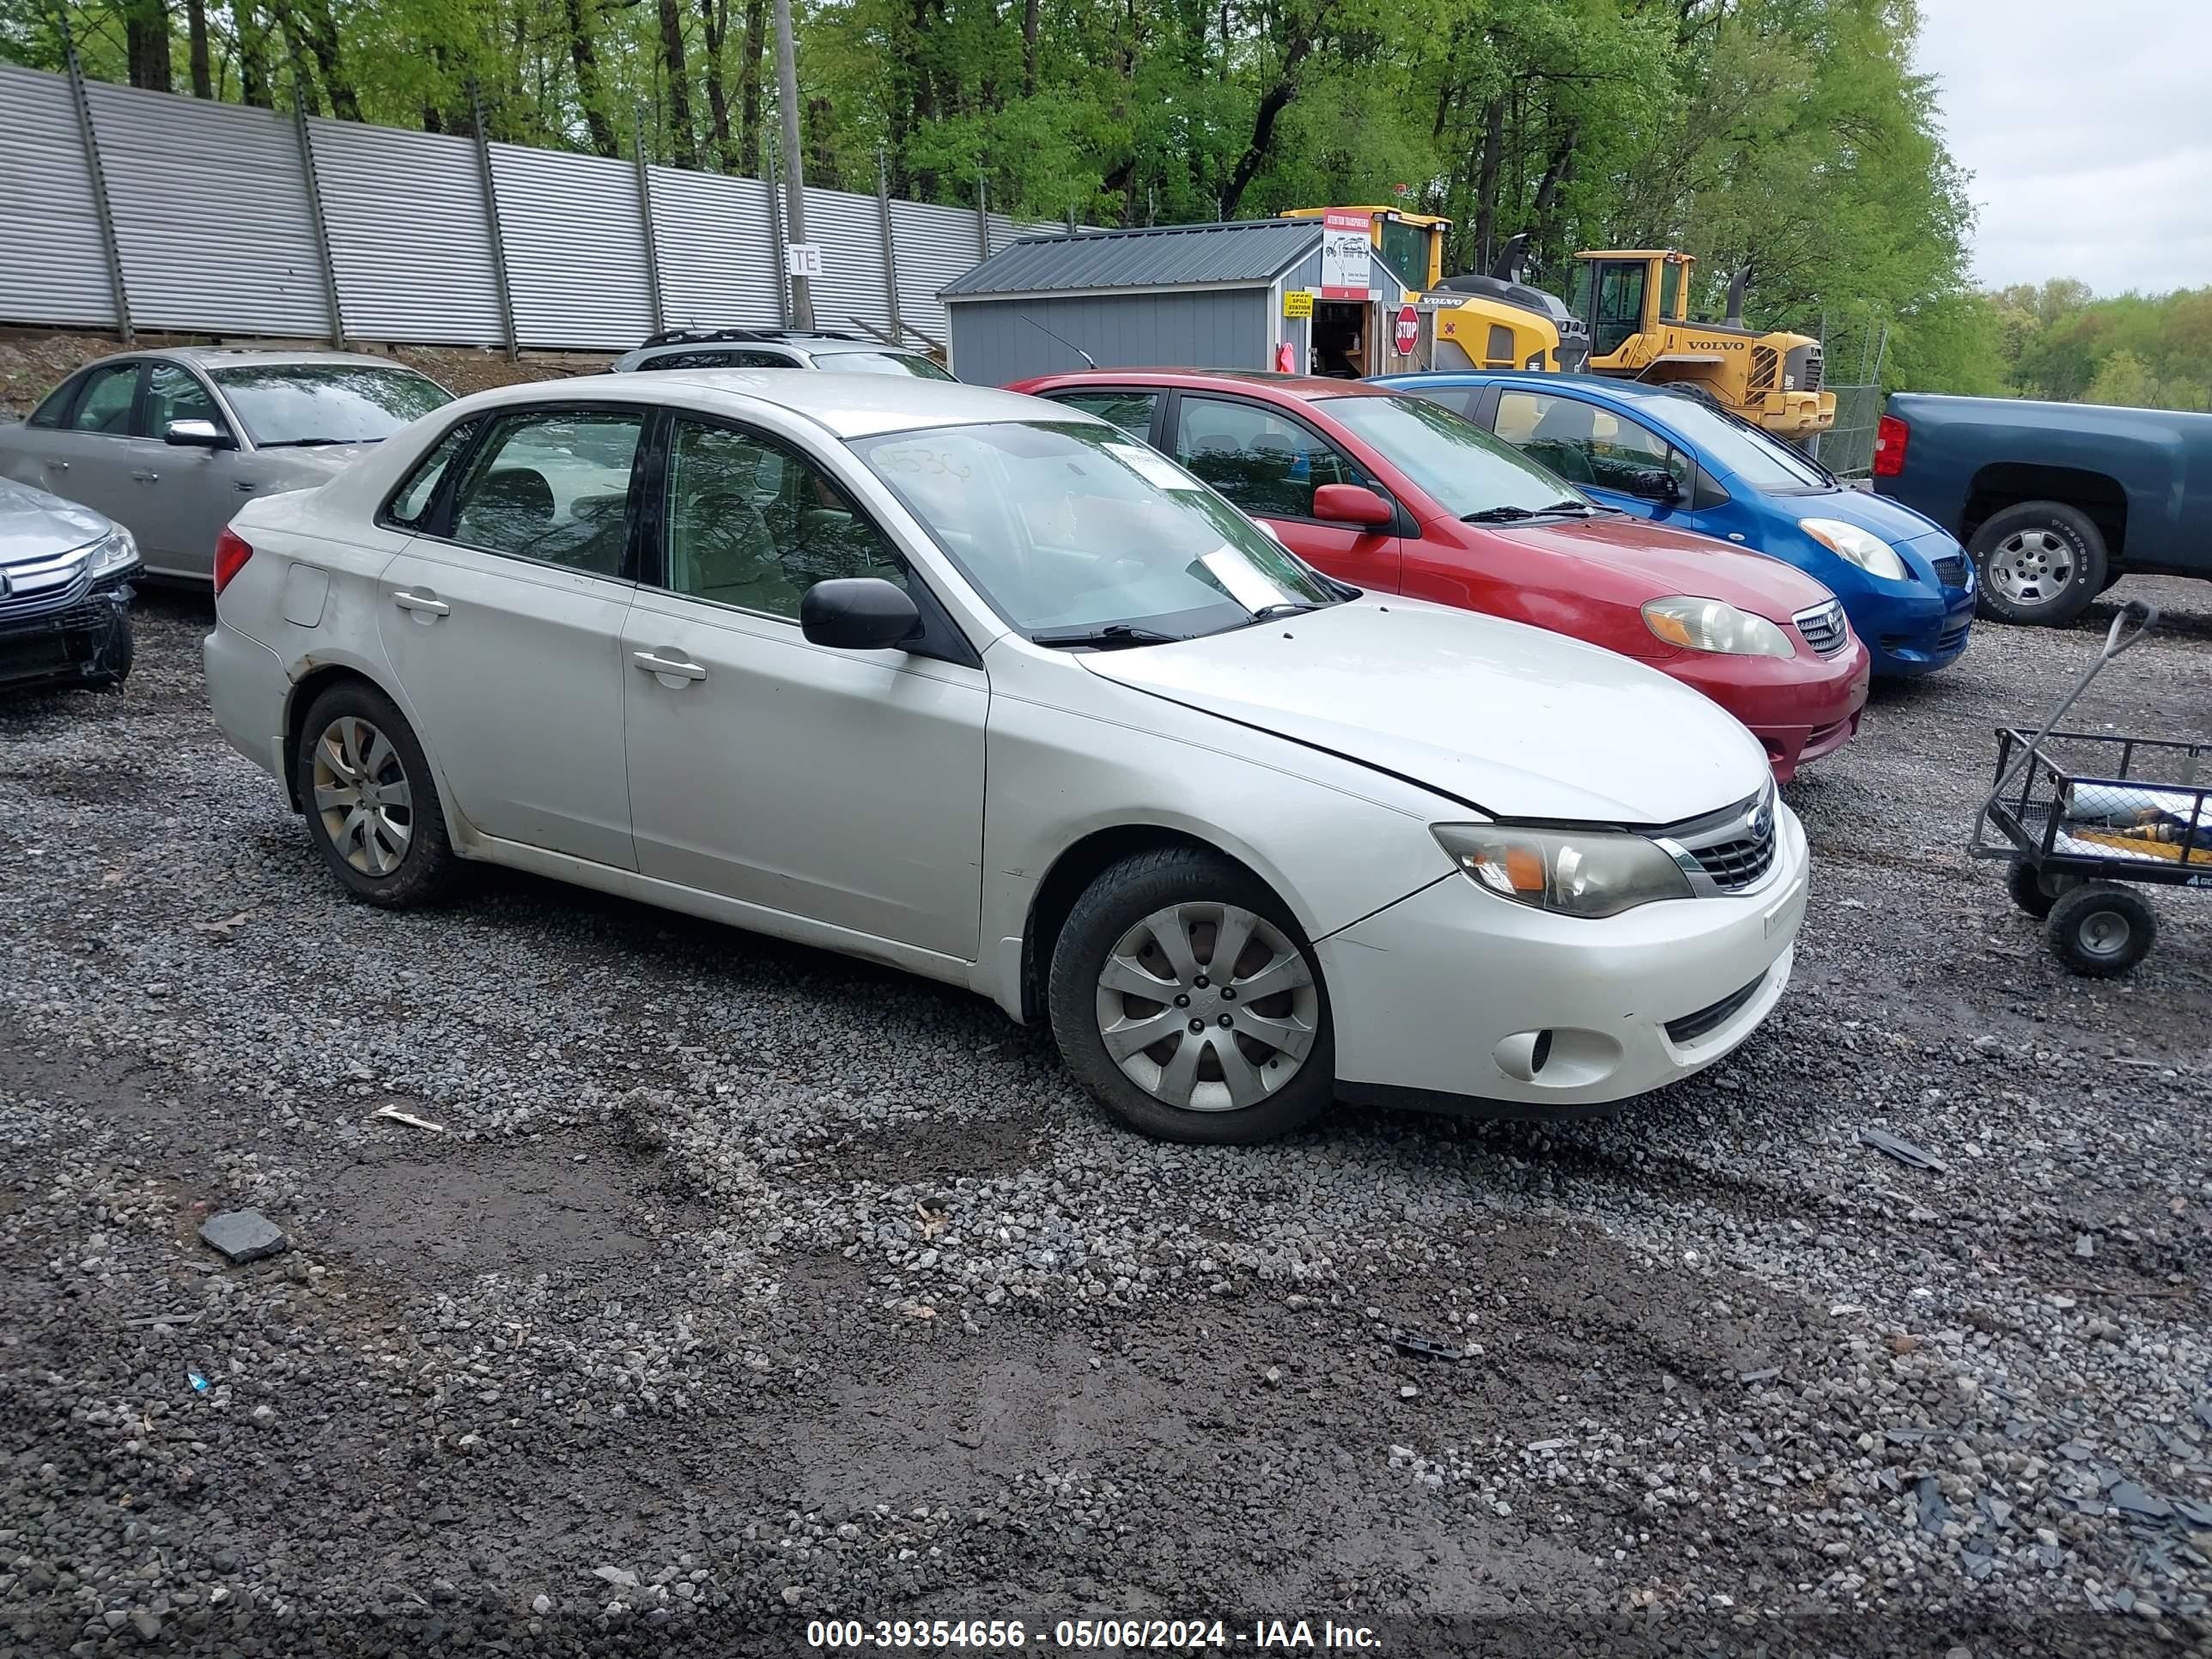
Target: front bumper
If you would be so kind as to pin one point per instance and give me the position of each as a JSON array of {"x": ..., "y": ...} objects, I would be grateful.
[
  {"x": 1799, "y": 707},
  {"x": 1916, "y": 636},
  {"x": 1431, "y": 997},
  {"x": 86, "y": 642}
]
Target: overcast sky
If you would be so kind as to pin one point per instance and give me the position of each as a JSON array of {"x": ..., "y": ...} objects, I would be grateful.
[{"x": 2089, "y": 131}]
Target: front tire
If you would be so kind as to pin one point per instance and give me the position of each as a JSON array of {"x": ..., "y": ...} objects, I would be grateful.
[
  {"x": 2040, "y": 564},
  {"x": 2101, "y": 929},
  {"x": 1187, "y": 1001},
  {"x": 372, "y": 808}
]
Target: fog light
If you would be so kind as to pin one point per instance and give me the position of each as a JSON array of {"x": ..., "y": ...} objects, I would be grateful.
[{"x": 1522, "y": 1055}]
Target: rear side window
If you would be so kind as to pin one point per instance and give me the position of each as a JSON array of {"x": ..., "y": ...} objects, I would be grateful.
[
  {"x": 411, "y": 503},
  {"x": 1130, "y": 411},
  {"x": 553, "y": 485},
  {"x": 108, "y": 394},
  {"x": 56, "y": 404}
]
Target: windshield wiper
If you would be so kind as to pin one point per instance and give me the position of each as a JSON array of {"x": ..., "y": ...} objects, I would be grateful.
[
  {"x": 1496, "y": 515},
  {"x": 1283, "y": 608},
  {"x": 1582, "y": 509},
  {"x": 1113, "y": 636}
]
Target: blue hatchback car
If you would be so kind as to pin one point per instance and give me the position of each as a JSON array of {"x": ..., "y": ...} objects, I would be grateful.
[{"x": 1905, "y": 583}]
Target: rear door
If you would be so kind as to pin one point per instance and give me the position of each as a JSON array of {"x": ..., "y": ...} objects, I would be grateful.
[
  {"x": 1269, "y": 463},
  {"x": 86, "y": 458},
  {"x": 503, "y": 623}
]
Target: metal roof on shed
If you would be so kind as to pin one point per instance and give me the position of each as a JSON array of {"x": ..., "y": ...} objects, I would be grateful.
[{"x": 1248, "y": 250}]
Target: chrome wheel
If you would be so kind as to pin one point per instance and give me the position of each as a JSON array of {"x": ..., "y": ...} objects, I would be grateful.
[
  {"x": 2103, "y": 935},
  {"x": 362, "y": 795},
  {"x": 2030, "y": 568},
  {"x": 1207, "y": 1007}
]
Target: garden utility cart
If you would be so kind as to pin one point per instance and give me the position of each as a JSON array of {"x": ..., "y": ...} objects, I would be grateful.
[{"x": 2079, "y": 814}]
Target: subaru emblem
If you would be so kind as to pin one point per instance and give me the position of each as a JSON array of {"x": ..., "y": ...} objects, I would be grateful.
[{"x": 1760, "y": 820}]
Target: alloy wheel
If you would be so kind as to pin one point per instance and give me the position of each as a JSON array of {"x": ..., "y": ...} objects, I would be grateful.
[
  {"x": 2031, "y": 569},
  {"x": 362, "y": 795},
  {"x": 1207, "y": 1007}
]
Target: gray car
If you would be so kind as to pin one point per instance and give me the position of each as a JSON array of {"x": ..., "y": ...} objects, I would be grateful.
[
  {"x": 65, "y": 576},
  {"x": 777, "y": 347},
  {"x": 173, "y": 443}
]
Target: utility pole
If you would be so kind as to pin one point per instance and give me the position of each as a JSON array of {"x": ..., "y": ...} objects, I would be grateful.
[{"x": 794, "y": 167}]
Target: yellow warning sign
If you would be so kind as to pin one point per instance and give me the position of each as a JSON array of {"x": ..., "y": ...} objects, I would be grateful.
[{"x": 1297, "y": 302}]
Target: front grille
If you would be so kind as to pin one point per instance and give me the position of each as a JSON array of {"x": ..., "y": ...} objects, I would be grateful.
[
  {"x": 1690, "y": 1027},
  {"x": 1824, "y": 627},
  {"x": 1952, "y": 638},
  {"x": 1734, "y": 848},
  {"x": 1951, "y": 569},
  {"x": 1763, "y": 363},
  {"x": 1812, "y": 370}
]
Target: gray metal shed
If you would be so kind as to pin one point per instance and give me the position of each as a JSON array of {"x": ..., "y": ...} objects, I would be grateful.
[{"x": 1197, "y": 296}]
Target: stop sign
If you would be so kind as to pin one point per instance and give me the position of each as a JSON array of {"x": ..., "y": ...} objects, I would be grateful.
[{"x": 1406, "y": 333}]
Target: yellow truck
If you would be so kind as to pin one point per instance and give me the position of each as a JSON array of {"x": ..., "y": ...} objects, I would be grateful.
[{"x": 1628, "y": 316}]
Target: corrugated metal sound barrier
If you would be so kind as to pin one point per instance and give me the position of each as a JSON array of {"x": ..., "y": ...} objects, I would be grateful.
[
  {"x": 56, "y": 269},
  {"x": 214, "y": 209}
]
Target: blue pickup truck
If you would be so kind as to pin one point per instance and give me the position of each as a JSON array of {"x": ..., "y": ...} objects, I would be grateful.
[{"x": 2054, "y": 501}]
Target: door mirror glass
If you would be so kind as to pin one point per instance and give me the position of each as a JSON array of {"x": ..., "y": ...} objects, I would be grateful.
[
  {"x": 1343, "y": 503},
  {"x": 858, "y": 613},
  {"x": 197, "y": 435},
  {"x": 1654, "y": 484}
]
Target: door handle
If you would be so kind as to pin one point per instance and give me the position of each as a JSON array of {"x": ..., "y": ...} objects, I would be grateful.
[
  {"x": 422, "y": 604},
  {"x": 147, "y": 478},
  {"x": 658, "y": 665},
  {"x": 59, "y": 466}
]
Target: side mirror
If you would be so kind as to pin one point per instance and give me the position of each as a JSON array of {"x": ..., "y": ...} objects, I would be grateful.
[
  {"x": 1654, "y": 485},
  {"x": 858, "y": 613},
  {"x": 198, "y": 434},
  {"x": 1351, "y": 504}
]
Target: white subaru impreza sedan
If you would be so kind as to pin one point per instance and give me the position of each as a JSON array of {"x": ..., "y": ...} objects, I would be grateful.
[{"x": 978, "y": 686}]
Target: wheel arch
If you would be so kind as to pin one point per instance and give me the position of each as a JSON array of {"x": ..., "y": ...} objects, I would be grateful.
[
  {"x": 2003, "y": 484},
  {"x": 1070, "y": 875}
]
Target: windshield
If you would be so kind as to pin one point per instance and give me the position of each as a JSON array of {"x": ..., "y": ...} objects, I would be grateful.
[
  {"x": 1762, "y": 462},
  {"x": 1462, "y": 466},
  {"x": 882, "y": 362},
  {"x": 327, "y": 402},
  {"x": 1070, "y": 529}
]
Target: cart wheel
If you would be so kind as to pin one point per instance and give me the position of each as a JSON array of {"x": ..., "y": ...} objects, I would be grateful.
[
  {"x": 2101, "y": 929},
  {"x": 2028, "y": 891}
]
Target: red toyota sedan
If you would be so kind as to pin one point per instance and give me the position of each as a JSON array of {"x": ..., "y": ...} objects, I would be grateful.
[{"x": 1396, "y": 493}]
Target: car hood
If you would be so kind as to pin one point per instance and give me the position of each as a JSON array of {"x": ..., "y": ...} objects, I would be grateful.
[
  {"x": 1893, "y": 521},
  {"x": 34, "y": 523},
  {"x": 1513, "y": 720},
  {"x": 1670, "y": 562}
]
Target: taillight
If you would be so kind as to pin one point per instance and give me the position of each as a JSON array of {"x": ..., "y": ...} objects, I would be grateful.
[
  {"x": 1889, "y": 436},
  {"x": 231, "y": 552}
]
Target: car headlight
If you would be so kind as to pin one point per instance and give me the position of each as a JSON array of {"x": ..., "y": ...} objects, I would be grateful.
[
  {"x": 1710, "y": 625},
  {"x": 115, "y": 551},
  {"x": 1863, "y": 547},
  {"x": 1575, "y": 872}
]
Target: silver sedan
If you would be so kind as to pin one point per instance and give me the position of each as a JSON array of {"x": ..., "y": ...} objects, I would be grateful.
[{"x": 173, "y": 443}]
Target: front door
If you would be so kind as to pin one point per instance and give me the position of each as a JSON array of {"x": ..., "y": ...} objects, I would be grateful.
[
  {"x": 1269, "y": 463},
  {"x": 185, "y": 495},
  {"x": 504, "y": 630},
  {"x": 1599, "y": 451},
  {"x": 842, "y": 787}
]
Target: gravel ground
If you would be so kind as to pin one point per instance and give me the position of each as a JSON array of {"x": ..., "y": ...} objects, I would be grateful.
[{"x": 743, "y": 1285}]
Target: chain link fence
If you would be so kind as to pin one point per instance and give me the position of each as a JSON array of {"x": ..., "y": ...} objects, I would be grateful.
[{"x": 1851, "y": 352}]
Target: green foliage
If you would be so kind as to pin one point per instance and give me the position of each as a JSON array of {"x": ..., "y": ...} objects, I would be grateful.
[{"x": 1792, "y": 135}]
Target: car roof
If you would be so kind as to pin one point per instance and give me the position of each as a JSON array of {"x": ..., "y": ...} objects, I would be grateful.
[
  {"x": 1610, "y": 384},
  {"x": 1304, "y": 388},
  {"x": 252, "y": 356},
  {"x": 847, "y": 405},
  {"x": 819, "y": 341}
]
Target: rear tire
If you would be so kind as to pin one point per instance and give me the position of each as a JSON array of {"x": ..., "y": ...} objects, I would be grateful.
[
  {"x": 2040, "y": 564},
  {"x": 2100, "y": 929},
  {"x": 1223, "y": 1069},
  {"x": 372, "y": 811},
  {"x": 2027, "y": 890}
]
